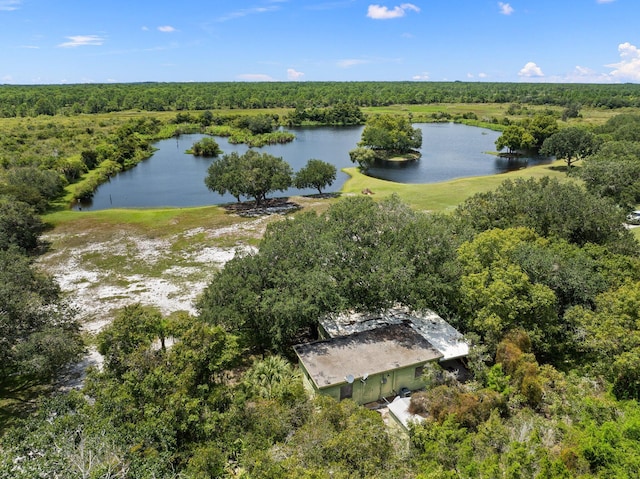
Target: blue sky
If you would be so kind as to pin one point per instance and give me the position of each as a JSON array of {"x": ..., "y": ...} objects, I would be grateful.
[{"x": 67, "y": 41}]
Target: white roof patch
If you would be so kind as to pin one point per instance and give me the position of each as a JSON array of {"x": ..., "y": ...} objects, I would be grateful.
[{"x": 444, "y": 337}]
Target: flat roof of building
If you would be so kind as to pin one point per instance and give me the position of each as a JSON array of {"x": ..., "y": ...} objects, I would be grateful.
[
  {"x": 444, "y": 337},
  {"x": 374, "y": 351},
  {"x": 399, "y": 408}
]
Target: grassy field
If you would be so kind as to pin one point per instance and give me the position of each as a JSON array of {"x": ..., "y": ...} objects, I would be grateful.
[{"x": 447, "y": 195}]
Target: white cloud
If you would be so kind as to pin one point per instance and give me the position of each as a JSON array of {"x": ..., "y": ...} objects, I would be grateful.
[
  {"x": 582, "y": 74},
  {"x": 482, "y": 75},
  {"x": 166, "y": 29},
  {"x": 81, "y": 41},
  {"x": 247, "y": 11},
  {"x": 351, "y": 62},
  {"x": 628, "y": 50},
  {"x": 605, "y": 1},
  {"x": 424, "y": 76},
  {"x": 530, "y": 70},
  {"x": 628, "y": 69},
  {"x": 6, "y": 79},
  {"x": 255, "y": 77},
  {"x": 9, "y": 5},
  {"x": 505, "y": 8},
  {"x": 379, "y": 12},
  {"x": 144, "y": 28},
  {"x": 294, "y": 75}
]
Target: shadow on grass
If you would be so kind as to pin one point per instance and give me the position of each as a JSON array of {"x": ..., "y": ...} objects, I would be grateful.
[
  {"x": 18, "y": 400},
  {"x": 562, "y": 168},
  {"x": 324, "y": 196}
]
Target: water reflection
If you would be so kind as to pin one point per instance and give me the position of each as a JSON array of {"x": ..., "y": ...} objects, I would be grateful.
[{"x": 173, "y": 178}]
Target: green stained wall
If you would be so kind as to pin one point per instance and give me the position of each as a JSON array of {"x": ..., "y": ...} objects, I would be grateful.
[{"x": 375, "y": 387}]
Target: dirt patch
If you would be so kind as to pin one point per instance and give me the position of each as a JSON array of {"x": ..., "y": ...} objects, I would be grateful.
[{"x": 101, "y": 275}]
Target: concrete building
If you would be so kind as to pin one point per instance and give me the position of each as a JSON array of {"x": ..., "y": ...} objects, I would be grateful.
[
  {"x": 367, "y": 357},
  {"x": 367, "y": 365}
]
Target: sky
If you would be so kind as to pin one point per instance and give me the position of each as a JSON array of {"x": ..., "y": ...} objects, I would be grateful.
[{"x": 102, "y": 41}]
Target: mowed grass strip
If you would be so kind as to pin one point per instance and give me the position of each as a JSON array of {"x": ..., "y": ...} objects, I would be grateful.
[
  {"x": 153, "y": 222},
  {"x": 447, "y": 195}
]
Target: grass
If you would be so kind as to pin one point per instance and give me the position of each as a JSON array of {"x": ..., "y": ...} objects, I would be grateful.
[
  {"x": 154, "y": 222},
  {"x": 447, "y": 195}
]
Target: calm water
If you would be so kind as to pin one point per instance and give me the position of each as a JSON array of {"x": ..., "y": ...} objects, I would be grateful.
[{"x": 173, "y": 178}]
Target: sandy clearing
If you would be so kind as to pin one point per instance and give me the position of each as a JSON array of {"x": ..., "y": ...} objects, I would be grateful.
[
  {"x": 98, "y": 293},
  {"x": 93, "y": 273}
]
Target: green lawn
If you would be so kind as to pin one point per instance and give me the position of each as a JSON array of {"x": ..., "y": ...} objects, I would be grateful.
[{"x": 447, "y": 195}]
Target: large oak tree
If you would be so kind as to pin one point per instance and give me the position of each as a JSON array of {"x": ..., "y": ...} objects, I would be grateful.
[{"x": 253, "y": 174}]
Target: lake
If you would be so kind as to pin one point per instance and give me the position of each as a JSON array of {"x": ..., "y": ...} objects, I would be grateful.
[{"x": 173, "y": 178}]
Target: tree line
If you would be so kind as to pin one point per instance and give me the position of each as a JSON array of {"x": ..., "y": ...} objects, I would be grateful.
[{"x": 23, "y": 100}]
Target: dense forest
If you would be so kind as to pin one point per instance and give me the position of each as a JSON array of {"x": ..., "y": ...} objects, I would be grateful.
[
  {"x": 101, "y": 98},
  {"x": 541, "y": 275}
]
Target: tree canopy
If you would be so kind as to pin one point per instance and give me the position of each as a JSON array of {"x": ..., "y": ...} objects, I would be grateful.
[
  {"x": 570, "y": 144},
  {"x": 549, "y": 207},
  {"x": 207, "y": 147},
  {"x": 515, "y": 138},
  {"x": 390, "y": 133},
  {"x": 359, "y": 254},
  {"x": 39, "y": 332},
  {"x": 252, "y": 174},
  {"x": 614, "y": 172},
  {"x": 315, "y": 174}
]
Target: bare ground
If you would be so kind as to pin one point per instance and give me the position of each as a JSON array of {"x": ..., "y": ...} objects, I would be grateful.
[
  {"x": 103, "y": 267},
  {"x": 103, "y": 271}
]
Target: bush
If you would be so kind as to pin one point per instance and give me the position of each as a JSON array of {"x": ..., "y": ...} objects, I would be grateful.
[{"x": 206, "y": 147}]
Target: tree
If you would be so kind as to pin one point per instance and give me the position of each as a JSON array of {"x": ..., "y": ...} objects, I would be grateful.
[
  {"x": 614, "y": 172},
  {"x": 273, "y": 378},
  {"x": 253, "y": 174},
  {"x": 227, "y": 175},
  {"x": 360, "y": 254},
  {"x": 39, "y": 332},
  {"x": 571, "y": 111},
  {"x": 33, "y": 186},
  {"x": 550, "y": 207},
  {"x": 265, "y": 174},
  {"x": 364, "y": 157},
  {"x": 515, "y": 138},
  {"x": 207, "y": 147},
  {"x": 19, "y": 226},
  {"x": 498, "y": 296},
  {"x": 316, "y": 174},
  {"x": 610, "y": 328},
  {"x": 392, "y": 134},
  {"x": 541, "y": 127},
  {"x": 256, "y": 124},
  {"x": 570, "y": 144},
  {"x": 134, "y": 326}
]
